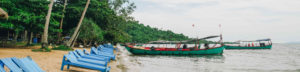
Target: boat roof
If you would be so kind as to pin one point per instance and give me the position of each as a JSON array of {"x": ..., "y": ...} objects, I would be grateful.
[
  {"x": 268, "y": 39},
  {"x": 195, "y": 39}
]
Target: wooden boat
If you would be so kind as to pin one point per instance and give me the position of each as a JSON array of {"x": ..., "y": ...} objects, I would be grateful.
[
  {"x": 140, "y": 50},
  {"x": 260, "y": 44},
  {"x": 174, "y": 51}
]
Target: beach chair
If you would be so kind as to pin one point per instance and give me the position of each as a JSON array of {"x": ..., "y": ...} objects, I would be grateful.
[
  {"x": 91, "y": 61},
  {"x": 83, "y": 55},
  {"x": 108, "y": 45},
  {"x": 94, "y": 51},
  {"x": 10, "y": 65},
  {"x": 105, "y": 50},
  {"x": 101, "y": 47},
  {"x": 27, "y": 64},
  {"x": 106, "y": 59},
  {"x": 2, "y": 67},
  {"x": 71, "y": 60}
]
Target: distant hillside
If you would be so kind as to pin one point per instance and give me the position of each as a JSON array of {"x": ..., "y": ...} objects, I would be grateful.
[{"x": 141, "y": 34}]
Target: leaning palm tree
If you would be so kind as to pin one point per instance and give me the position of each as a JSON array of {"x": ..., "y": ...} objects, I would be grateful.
[
  {"x": 45, "y": 35},
  {"x": 78, "y": 25},
  {"x": 3, "y": 14}
]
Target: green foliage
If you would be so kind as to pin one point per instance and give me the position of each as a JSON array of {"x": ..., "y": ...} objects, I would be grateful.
[
  {"x": 29, "y": 15},
  {"x": 62, "y": 47},
  {"x": 90, "y": 31},
  {"x": 105, "y": 21},
  {"x": 143, "y": 34},
  {"x": 41, "y": 50},
  {"x": 34, "y": 44}
]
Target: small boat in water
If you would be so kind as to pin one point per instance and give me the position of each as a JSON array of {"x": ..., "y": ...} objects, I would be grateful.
[
  {"x": 257, "y": 44},
  {"x": 178, "y": 49}
]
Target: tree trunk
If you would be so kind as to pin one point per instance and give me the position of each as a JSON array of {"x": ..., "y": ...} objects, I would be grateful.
[
  {"x": 7, "y": 34},
  {"x": 84, "y": 43},
  {"x": 75, "y": 40},
  {"x": 79, "y": 24},
  {"x": 16, "y": 37},
  {"x": 61, "y": 20},
  {"x": 25, "y": 36},
  {"x": 45, "y": 35},
  {"x": 29, "y": 40},
  {"x": 90, "y": 43}
]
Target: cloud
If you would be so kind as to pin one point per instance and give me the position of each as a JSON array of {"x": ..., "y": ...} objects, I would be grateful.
[{"x": 240, "y": 19}]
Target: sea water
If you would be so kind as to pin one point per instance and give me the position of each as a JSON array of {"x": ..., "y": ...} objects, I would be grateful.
[{"x": 281, "y": 58}]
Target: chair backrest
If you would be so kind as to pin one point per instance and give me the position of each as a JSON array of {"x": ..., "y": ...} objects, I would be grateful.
[
  {"x": 71, "y": 58},
  {"x": 2, "y": 67},
  {"x": 75, "y": 54},
  {"x": 24, "y": 65},
  {"x": 94, "y": 51},
  {"x": 31, "y": 62},
  {"x": 85, "y": 51},
  {"x": 108, "y": 45},
  {"x": 11, "y": 65},
  {"x": 80, "y": 52}
]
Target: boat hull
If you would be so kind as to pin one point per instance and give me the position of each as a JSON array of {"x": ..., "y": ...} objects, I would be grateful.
[
  {"x": 218, "y": 50},
  {"x": 238, "y": 47}
]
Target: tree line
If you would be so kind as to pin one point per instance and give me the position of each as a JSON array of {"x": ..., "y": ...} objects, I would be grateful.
[{"x": 84, "y": 21}]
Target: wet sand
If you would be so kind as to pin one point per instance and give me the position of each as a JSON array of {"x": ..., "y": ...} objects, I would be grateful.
[{"x": 50, "y": 61}]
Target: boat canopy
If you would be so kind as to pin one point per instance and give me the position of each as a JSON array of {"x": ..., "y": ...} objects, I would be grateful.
[
  {"x": 186, "y": 41},
  {"x": 264, "y": 39},
  {"x": 268, "y": 39},
  {"x": 163, "y": 41},
  {"x": 204, "y": 38}
]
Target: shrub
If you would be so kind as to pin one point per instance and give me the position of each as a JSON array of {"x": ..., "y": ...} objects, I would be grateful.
[{"x": 62, "y": 47}]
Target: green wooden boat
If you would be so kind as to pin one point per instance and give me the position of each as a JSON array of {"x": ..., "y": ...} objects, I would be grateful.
[
  {"x": 210, "y": 51},
  {"x": 240, "y": 47},
  {"x": 178, "y": 50},
  {"x": 257, "y": 44}
]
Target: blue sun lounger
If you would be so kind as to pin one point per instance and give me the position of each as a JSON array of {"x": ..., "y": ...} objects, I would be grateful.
[
  {"x": 92, "y": 61},
  {"x": 27, "y": 64},
  {"x": 108, "y": 45},
  {"x": 102, "y": 52},
  {"x": 10, "y": 65},
  {"x": 83, "y": 55},
  {"x": 106, "y": 59},
  {"x": 94, "y": 51},
  {"x": 2, "y": 67},
  {"x": 107, "y": 50},
  {"x": 71, "y": 60}
]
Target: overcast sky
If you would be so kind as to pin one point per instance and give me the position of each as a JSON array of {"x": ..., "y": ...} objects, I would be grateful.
[{"x": 239, "y": 19}]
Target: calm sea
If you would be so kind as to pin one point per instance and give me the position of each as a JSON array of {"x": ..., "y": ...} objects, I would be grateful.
[{"x": 281, "y": 58}]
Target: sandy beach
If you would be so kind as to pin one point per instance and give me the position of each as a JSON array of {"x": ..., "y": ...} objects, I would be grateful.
[{"x": 50, "y": 61}]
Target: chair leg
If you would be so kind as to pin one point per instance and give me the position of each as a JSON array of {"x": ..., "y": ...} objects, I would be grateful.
[
  {"x": 68, "y": 67},
  {"x": 63, "y": 64}
]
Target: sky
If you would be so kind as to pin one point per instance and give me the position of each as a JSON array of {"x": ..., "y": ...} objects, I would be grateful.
[{"x": 239, "y": 19}]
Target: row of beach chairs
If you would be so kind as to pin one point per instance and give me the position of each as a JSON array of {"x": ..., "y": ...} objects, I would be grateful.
[
  {"x": 96, "y": 59},
  {"x": 19, "y": 65}
]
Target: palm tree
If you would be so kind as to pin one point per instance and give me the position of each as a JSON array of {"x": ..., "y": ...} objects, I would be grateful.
[
  {"x": 45, "y": 35},
  {"x": 78, "y": 25},
  {"x": 62, "y": 19}
]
